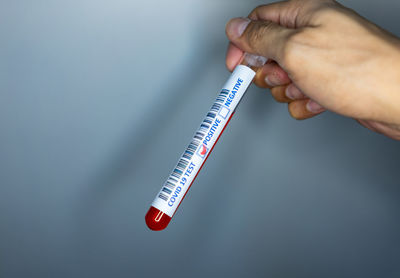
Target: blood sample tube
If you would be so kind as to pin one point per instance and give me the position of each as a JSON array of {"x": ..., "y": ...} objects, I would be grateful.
[{"x": 178, "y": 183}]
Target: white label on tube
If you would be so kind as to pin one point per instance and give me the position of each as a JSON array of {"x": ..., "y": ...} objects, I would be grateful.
[{"x": 177, "y": 184}]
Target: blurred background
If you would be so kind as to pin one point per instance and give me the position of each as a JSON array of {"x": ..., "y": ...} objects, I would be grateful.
[{"x": 99, "y": 99}]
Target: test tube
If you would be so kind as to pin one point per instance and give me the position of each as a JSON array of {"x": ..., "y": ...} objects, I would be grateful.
[{"x": 192, "y": 160}]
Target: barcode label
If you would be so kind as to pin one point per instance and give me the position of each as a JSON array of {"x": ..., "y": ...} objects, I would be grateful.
[
  {"x": 180, "y": 168},
  {"x": 179, "y": 181}
]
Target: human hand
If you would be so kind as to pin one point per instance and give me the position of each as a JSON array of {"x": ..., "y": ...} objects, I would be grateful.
[{"x": 323, "y": 56}]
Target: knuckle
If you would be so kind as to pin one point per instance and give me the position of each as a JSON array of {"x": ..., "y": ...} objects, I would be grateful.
[
  {"x": 288, "y": 50},
  {"x": 323, "y": 14},
  {"x": 256, "y": 33},
  {"x": 292, "y": 51},
  {"x": 255, "y": 11}
]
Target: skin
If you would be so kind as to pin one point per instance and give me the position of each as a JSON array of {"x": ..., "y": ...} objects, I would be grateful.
[{"x": 323, "y": 56}]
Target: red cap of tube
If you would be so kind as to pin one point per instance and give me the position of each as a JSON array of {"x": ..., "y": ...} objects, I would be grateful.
[{"x": 157, "y": 220}]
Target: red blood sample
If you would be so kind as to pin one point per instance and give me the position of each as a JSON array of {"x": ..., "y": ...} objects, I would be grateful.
[{"x": 157, "y": 220}]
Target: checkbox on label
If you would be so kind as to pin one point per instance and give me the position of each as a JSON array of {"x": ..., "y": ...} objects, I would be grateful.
[{"x": 224, "y": 112}]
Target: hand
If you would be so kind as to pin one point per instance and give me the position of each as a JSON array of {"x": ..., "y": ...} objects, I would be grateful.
[{"x": 323, "y": 56}]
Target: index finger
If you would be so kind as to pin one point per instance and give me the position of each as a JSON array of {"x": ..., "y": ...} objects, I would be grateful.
[
  {"x": 233, "y": 56},
  {"x": 270, "y": 12}
]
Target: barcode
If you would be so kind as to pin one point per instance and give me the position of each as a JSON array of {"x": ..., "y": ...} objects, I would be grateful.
[{"x": 184, "y": 161}]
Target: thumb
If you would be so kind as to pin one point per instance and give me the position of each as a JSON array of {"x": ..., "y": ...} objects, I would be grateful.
[{"x": 264, "y": 38}]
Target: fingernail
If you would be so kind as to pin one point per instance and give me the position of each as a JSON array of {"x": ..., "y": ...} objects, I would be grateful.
[
  {"x": 270, "y": 81},
  {"x": 237, "y": 26},
  {"x": 293, "y": 92},
  {"x": 314, "y": 107}
]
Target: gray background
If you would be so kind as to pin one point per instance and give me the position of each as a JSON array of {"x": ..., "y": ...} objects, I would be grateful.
[{"x": 98, "y": 100}]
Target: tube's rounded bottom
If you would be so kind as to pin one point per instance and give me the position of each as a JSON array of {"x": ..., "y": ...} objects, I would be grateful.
[{"x": 157, "y": 220}]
